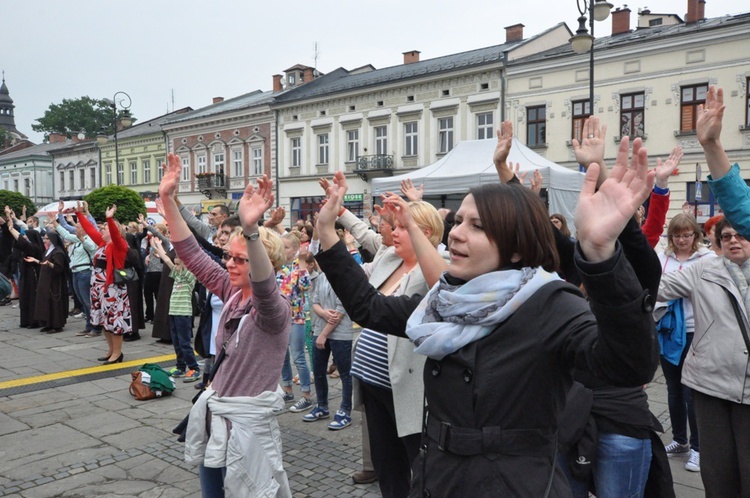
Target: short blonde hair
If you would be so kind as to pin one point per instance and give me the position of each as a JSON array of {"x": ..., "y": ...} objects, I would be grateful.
[
  {"x": 427, "y": 217},
  {"x": 293, "y": 237},
  {"x": 271, "y": 242}
]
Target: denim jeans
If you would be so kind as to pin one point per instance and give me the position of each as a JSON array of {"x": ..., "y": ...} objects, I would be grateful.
[
  {"x": 212, "y": 481},
  {"x": 82, "y": 289},
  {"x": 297, "y": 343},
  {"x": 342, "y": 357},
  {"x": 680, "y": 401},
  {"x": 620, "y": 470},
  {"x": 181, "y": 328}
]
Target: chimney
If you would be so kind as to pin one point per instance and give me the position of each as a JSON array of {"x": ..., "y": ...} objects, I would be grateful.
[
  {"x": 696, "y": 11},
  {"x": 621, "y": 20},
  {"x": 217, "y": 100},
  {"x": 514, "y": 33},
  {"x": 307, "y": 76},
  {"x": 412, "y": 56},
  {"x": 277, "y": 83},
  {"x": 56, "y": 138}
]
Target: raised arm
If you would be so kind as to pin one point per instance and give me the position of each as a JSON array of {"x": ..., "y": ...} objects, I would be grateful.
[
  {"x": 194, "y": 223},
  {"x": 90, "y": 229},
  {"x": 121, "y": 245},
  {"x": 178, "y": 227},
  {"x": 254, "y": 203},
  {"x": 591, "y": 148},
  {"x": 708, "y": 128},
  {"x": 659, "y": 200},
  {"x": 500, "y": 156}
]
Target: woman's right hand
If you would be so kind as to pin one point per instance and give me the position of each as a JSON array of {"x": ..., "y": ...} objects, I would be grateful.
[
  {"x": 170, "y": 182},
  {"x": 111, "y": 210},
  {"x": 330, "y": 211}
]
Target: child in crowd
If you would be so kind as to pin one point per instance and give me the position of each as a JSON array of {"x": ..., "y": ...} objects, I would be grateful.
[
  {"x": 180, "y": 316},
  {"x": 334, "y": 333}
]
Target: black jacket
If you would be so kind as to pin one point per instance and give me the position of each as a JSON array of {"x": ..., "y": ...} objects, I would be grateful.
[{"x": 494, "y": 405}]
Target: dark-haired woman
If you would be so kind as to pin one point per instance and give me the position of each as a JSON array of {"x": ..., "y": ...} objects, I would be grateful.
[
  {"x": 502, "y": 332},
  {"x": 52, "y": 289}
]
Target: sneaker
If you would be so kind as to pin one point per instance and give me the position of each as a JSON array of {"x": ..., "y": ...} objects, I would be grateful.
[
  {"x": 288, "y": 397},
  {"x": 302, "y": 405},
  {"x": 192, "y": 376},
  {"x": 316, "y": 414},
  {"x": 340, "y": 421},
  {"x": 83, "y": 333},
  {"x": 80, "y": 315},
  {"x": 200, "y": 385},
  {"x": 177, "y": 373},
  {"x": 93, "y": 334},
  {"x": 675, "y": 448},
  {"x": 694, "y": 462}
]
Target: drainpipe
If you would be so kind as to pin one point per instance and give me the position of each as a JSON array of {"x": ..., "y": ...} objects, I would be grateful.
[{"x": 503, "y": 73}]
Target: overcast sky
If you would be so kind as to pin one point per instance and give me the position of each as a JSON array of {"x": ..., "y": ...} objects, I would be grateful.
[{"x": 54, "y": 49}]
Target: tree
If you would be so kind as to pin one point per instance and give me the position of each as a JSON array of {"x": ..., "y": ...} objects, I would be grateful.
[
  {"x": 16, "y": 201},
  {"x": 129, "y": 203},
  {"x": 74, "y": 116}
]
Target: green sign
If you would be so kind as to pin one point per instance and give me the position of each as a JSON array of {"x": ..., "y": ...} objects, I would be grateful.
[{"x": 353, "y": 197}]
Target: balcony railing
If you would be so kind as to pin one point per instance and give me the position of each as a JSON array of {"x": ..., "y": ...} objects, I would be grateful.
[
  {"x": 210, "y": 183},
  {"x": 374, "y": 165}
]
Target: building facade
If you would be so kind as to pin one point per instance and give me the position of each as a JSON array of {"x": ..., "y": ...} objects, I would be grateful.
[
  {"x": 76, "y": 169},
  {"x": 29, "y": 171}
]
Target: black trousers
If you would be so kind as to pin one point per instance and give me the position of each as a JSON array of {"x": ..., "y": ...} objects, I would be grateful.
[
  {"x": 150, "y": 292},
  {"x": 392, "y": 456},
  {"x": 724, "y": 428}
]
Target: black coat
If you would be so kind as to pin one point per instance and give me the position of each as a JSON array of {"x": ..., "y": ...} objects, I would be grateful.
[
  {"x": 52, "y": 292},
  {"x": 493, "y": 406}
]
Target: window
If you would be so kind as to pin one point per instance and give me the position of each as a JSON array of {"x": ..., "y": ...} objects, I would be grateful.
[
  {"x": 445, "y": 135},
  {"x": 291, "y": 79},
  {"x": 484, "y": 125},
  {"x": 146, "y": 171},
  {"x": 27, "y": 186},
  {"x": 120, "y": 173},
  {"x": 109, "y": 174},
  {"x": 219, "y": 163},
  {"x": 352, "y": 145},
  {"x": 160, "y": 171},
  {"x": 202, "y": 164},
  {"x": 238, "y": 170},
  {"x": 296, "y": 152},
  {"x": 747, "y": 103},
  {"x": 82, "y": 178},
  {"x": 133, "y": 173},
  {"x": 536, "y": 125},
  {"x": 381, "y": 140},
  {"x": 323, "y": 148},
  {"x": 257, "y": 161},
  {"x": 185, "y": 169},
  {"x": 691, "y": 98},
  {"x": 62, "y": 182},
  {"x": 92, "y": 178},
  {"x": 581, "y": 111},
  {"x": 15, "y": 185},
  {"x": 631, "y": 115},
  {"x": 71, "y": 180},
  {"x": 412, "y": 138}
]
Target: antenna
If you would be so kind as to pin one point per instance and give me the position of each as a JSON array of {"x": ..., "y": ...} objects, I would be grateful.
[
  {"x": 316, "y": 55},
  {"x": 172, "y": 99}
]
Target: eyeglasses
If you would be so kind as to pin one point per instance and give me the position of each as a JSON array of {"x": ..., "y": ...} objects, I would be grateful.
[
  {"x": 237, "y": 259},
  {"x": 726, "y": 237},
  {"x": 684, "y": 236}
]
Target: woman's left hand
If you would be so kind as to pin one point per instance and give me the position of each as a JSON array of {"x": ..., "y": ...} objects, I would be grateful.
[
  {"x": 110, "y": 213},
  {"x": 399, "y": 209},
  {"x": 30, "y": 259},
  {"x": 601, "y": 215},
  {"x": 255, "y": 202}
]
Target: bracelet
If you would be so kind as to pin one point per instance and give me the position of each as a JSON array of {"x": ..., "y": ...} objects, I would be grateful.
[{"x": 252, "y": 236}]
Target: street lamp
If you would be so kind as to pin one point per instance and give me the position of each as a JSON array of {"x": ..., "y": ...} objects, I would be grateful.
[
  {"x": 126, "y": 120},
  {"x": 583, "y": 41}
]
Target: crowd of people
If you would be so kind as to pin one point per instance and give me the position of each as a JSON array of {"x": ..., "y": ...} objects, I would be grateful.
[{"x": 498, "y": 350}]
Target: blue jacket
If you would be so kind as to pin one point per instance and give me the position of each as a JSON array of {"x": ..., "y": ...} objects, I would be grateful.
[{"x": 733, "y": 196}]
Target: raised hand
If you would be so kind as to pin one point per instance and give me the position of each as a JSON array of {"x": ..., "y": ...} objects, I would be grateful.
[
  {"x": 667, "y": 168},
  {"x": 255, "y": 202},
  {"x": 326, "y": 186},
  {"x": 399, "y": 209},
  {"x": 8, "y": 211},
  {"x": 61, "y": 207},
  {"x": 85, "y": 207},
  {"x": 591, "y": 148},
  {"x": 601, "y": 215},
  {"x": 111, "y": 210},
  {"x": 411, "y": 192},
  {"x": 159, "y": 207},
  {"x": 516, "y": 169},
  {"x": 536, "y": 182},
  {"x": 141, "y": 220},
  {"x": 502, "y": 149},
  {"x": 170, "y": 182},
  {"x": 710, "y": 115}
]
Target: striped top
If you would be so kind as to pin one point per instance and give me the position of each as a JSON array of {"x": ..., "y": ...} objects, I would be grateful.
[
  {"x": 181, "y": 301},
  {"x": 370, "y": 363}
]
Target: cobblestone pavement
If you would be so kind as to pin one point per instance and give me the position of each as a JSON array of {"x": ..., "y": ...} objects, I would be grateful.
[{"x": 81, "y": 434}]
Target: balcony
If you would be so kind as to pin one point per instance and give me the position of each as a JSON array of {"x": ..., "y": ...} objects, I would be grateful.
[
  {"x": 210, "y": 184},
  {"x": 374, "y": 166}
]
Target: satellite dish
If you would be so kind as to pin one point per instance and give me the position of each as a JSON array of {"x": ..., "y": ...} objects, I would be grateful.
[{"x": 81, "y": 135}]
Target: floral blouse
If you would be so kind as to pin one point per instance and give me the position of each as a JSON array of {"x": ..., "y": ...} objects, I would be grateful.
[{"x": 294, "y": 284}]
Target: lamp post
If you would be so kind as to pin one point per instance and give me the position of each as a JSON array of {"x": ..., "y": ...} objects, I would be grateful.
[
  {"x": 582, "y": 41},
  {"x": 125, "y": 120}
]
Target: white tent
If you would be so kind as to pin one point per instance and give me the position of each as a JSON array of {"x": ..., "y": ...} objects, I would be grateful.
[{"x": 470, "y": 164}]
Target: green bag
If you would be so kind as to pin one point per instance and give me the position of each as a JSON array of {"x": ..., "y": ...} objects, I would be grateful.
[{"x": 160, "y": 380}]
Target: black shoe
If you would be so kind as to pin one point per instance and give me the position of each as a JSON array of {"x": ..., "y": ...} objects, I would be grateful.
[
  {"x": 118, "y": 360},
  {"x": 103, "y": 358},
  {"x": 44, "y": 329},
  {"x": 54, "y": 331},
  {"x": 131, "y": 336},
  {"x": 5, "y": 301}
]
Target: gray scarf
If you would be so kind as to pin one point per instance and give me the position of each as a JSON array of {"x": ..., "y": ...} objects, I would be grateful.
[{"x": 740, "y": 275}]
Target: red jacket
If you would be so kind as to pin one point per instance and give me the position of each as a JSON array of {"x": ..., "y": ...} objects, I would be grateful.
[
  {"x": 115, "y": 251},
  {"x": 652, "y": 228}
]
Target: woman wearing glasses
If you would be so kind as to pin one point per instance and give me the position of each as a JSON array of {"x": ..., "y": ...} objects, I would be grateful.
[
  {"x": 254, "y": 333},
  {"x": 684, "y": 248},
  {"x": 717, "y": 368}
]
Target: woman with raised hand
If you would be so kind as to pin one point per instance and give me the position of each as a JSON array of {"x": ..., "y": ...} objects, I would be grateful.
[
  {"x": 502, "y": 332},
  {"x": 254, "y": 333},
  {"x": 110, "y": 305}
]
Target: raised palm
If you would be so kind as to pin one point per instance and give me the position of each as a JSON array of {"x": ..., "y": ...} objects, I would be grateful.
[
  {"x": 710, "y": 115},
  {"x": 255, "y": 202},
  {"x": 504, "y": 142},
  {"x": 171, "y": 180},
  {"x": 591, "y": 147}
]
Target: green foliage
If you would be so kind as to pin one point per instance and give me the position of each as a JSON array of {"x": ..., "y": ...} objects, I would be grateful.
[
  {"x": 16, "y": 201},
  {"x": 74, "y": 116},
  {"x": 129, "y": 203}
]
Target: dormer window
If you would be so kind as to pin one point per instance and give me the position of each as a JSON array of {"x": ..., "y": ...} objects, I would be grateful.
[{"x": 292, "y": 79}]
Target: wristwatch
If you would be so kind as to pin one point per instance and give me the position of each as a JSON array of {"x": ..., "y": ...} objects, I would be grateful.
[{"x": 252, "y": 236}]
